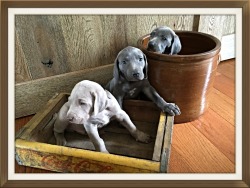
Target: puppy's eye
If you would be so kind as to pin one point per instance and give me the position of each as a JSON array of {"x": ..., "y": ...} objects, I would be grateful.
[
  {"x": 164, "y": 38},
  {"x": 82, "y": 103},
  {"x": 124, "y": 62},
  {"x": 140, "y": 59},
  {"x": 152, "y": 34}
]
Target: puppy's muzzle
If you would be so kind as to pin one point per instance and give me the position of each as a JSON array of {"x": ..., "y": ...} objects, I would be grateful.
[
  {"x": 151, "y": 45},
  {"x": 72, "y": 118},
  {"x": 136, "y": 75}
]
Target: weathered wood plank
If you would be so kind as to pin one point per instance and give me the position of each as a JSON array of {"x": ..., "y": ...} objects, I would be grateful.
[
  {"x": 217, "y": 25},
  {"x": 166, "y": 148},
  {"x": 42, "y": 41},
  {"x": 53, "y": 157},
  {"x": 211, "y": 24},
  {"x": 84, "y": 38},
  {"x": 220, "y": 26},
  {"x": 196, "y": 23},
  {"x": 22, "y": 73},
  {"x": 75, "y": 42},
  {"x": 229, "y": 25},
  {"x": 32, "y": 95},
  {"x": 45, "y": 113},
  {"x": 114, "y": 37},
  {"x": 159, "y": 139}
]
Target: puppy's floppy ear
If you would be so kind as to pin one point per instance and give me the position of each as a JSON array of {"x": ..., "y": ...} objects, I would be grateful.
[
  {"x": 100, "y": 101},
  {"x": 145, "y": 69},
  {"x": 176, "y": 45},
  {"x": 116, "y": 71}
]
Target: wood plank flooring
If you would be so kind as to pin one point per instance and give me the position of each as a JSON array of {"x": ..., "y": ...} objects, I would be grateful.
[{"x": 206, "y": 145}]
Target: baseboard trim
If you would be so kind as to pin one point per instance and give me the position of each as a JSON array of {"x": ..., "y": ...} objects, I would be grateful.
[{"x": 228, "y": 47}]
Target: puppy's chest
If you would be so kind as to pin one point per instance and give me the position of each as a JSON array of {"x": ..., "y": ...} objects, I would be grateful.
[{"x": 132, "y": 92}]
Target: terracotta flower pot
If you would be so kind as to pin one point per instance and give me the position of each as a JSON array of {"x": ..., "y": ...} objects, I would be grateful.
[{"x": 187, "y": 78}]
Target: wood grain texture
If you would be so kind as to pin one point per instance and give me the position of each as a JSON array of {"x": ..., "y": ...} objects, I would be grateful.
[
  {"x": 178, "y": 163},
  {"x": 218, "y": 131},
  {"x": 74, "y": 42},
  {"x": 22, "y": 73},
  {"x": 225, "y": 85},
  {"x": 196, "y": 23},
  {"x": 166, "y": 149},
  {"x": 83, "y": 38},
  {"x": 159, "y": 140},
  {"x": 192, "y": 144},
  {"x": 41, "y": 40},
  {"x": 217, "y": 25},
  {"x": 30, "y": 96},
  {"x": 223, "y": 105},
  {"x": 229, "y": 25},
  {"x": 227, "y": 69}
]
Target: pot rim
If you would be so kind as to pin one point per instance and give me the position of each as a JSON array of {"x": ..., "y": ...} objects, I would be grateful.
[{"x": 179, "y": 58}]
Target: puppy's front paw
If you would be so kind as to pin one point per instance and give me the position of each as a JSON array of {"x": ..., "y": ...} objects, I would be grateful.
[
  {"x": 61, "y": 141},
  {"x": 142, "y": 137},
  {"x": 172, "y": 109}
]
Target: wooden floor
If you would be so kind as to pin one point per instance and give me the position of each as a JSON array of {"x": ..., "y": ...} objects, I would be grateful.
[{"x": 205, "y": 145}]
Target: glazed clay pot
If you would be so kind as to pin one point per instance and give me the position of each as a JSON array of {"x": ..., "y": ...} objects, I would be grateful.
[{"x": 185, "y": 79}]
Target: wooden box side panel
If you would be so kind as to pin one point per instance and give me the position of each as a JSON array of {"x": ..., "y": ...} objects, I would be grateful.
[
  {"x": 159, "y": 138},
  {"x": 63, "y": 159},
  {"x": 41, "y": 119},
  {"x": 140, "y": 110},
  {"x": 166, "y": 149}
]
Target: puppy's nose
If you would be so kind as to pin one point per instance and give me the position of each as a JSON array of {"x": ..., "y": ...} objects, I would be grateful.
[
  {"x": 150, "y": 45},
  {"x": 136, "y": 75},
  {"x": 70, "y": 118}
]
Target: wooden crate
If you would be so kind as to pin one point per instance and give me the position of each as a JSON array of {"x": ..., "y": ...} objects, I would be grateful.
[{"x": 35, "y": 143}]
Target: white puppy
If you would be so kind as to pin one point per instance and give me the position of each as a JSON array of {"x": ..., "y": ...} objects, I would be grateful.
[{"x": 91, "y": 107}]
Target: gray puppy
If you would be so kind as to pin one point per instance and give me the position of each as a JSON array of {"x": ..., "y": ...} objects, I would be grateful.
[
  {"x": 164, "y": 40},
  {"x": 130, "y": 79}
]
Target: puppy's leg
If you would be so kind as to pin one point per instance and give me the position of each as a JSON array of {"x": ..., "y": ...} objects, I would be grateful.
[
  {"x": 93, "y": 134},
  {"x": 59, "y": 128},
  {"x": 124, "y": 119},
  {"x": 60, "y": 125},
  {"x": 119, "y": 99},
  {"x": 117, "y": 93},
  {"x": 152, "y": 94}
]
